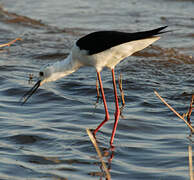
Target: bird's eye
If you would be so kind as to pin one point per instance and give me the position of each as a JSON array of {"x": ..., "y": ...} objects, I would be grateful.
[{"x": 41, "y": 73}]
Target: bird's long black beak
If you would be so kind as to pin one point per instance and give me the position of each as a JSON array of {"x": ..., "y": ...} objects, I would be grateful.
[{"x": 30, "y": 92}]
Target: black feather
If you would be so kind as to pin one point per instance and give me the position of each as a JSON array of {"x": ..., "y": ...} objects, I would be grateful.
[{"x": 97, "y": 42}]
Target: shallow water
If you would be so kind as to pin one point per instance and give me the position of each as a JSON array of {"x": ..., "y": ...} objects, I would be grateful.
[{"x": 46, "y": 138}]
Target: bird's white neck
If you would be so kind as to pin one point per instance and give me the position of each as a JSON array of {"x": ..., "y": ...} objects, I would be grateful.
[{"x": 63, "y": 68}]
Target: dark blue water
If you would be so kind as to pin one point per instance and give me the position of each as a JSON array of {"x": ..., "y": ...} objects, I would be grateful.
[{"x": 46, "y": 138}]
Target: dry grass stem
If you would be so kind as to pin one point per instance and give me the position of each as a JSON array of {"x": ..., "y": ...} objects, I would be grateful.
[
  {"x": 190, "y": 162},
  {"x": 99, "y": 153},
  {"x": 10, "y": 43},
  {"x": 190, "y": 110},
  {"x": 121, "y": 90},
  {"x": 181, "y": 117},
  {"x": 97, "y": 88}
]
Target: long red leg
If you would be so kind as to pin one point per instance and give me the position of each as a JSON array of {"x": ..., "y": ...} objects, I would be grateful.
[
  {"x": 117, "y": 112},
  {"x": 105, "y": 105}
]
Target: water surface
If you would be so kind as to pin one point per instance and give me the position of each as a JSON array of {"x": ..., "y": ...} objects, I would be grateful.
[{"x": 47, "y": 139}]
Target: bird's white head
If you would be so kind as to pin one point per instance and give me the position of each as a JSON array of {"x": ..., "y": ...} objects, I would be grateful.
[
  {"x": 52, "y": 72},
  {"x": 46, "y": 74}
]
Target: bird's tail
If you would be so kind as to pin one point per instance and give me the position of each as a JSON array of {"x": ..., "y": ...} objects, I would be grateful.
[{"x": 157, "y": 31}]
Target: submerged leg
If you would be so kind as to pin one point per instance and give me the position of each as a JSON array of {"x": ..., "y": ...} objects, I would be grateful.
[
  {"x": 117, "y": 111},
  {"x": 105, "y": 105}
]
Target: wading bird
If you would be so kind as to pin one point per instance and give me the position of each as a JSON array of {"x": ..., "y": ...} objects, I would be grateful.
[{"x": 98, "y": 49}]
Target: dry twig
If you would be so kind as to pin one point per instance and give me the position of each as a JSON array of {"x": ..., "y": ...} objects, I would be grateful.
[
  {"x": 190, "y": 162},
  {"x": 99, "y": 153},
  {"x": 10, "y": 43},
  {"x": 181, "y": 117}
]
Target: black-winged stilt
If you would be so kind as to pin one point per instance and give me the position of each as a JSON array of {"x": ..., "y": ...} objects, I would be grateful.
[{"x": 98, "y": 49}]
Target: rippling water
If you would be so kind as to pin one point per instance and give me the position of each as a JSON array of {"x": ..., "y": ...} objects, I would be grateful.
[{"x": 46, "y": 138}]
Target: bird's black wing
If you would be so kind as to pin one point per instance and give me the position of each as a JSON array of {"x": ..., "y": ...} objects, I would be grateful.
[{"x": 97, "y": 42}]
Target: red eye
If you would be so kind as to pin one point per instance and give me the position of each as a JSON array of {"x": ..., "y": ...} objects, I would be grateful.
[{"x": 41, "y": 73}]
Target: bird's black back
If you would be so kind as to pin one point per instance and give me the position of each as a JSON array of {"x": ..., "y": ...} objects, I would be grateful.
[{"x": 97, "y": 42}]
